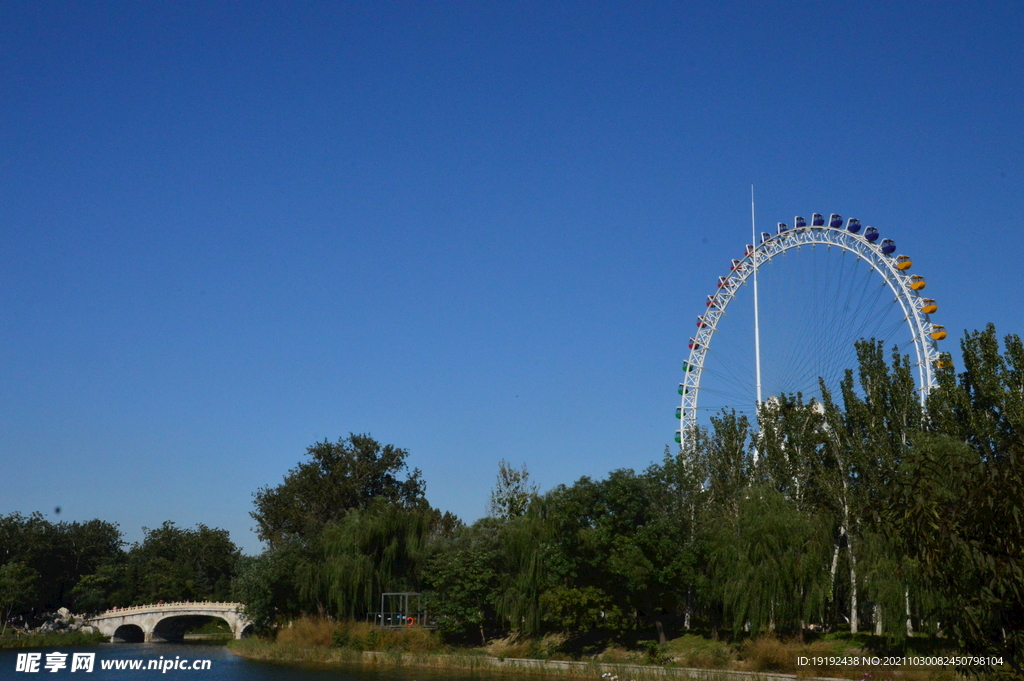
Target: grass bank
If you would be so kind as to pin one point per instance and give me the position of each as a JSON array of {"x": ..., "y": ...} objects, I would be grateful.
[
  {"x": 62, "y": 639},
  {"x": 688, "y": 657}
]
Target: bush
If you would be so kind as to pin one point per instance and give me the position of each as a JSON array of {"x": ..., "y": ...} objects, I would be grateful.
[
  {"x": 768, "y": 654},
  {"x": 696, "y": 651},
  {"x": 361, "y": 636},
  {"x": 309, "y": 632}
]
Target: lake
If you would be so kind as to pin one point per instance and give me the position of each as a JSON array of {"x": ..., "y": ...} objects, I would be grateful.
[{"x": 215, "y": 664}]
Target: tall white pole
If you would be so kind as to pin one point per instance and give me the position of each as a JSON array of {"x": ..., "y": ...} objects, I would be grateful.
[{"x": 757, "y": 326}]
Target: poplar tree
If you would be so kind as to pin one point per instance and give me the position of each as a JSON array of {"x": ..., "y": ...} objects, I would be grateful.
[{"x": 959, "y": 507}]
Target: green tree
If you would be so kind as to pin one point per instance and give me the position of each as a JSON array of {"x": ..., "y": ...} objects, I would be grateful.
[
  {"x": 60, "y": 553},
  {"x": 16, "y": 589},
  {"x": 532, "y": 564},
  {"x": 729, "y": 461},
  {"x": 789, "y": 445},
  {"x": 619, "y": 545},
  {"x": 513, "y": 492},
  {"x": 348, "y": 474},
  {"x": 265, "y": 584},
  {"x": 769, "y": 562},
  {"x": 678, "y": 500},
  {"x": 169, "y": 564},
  {"x": 863, "y": 446},
  {"x": 959, "y": 504},
  {"x": 369, "y": 551},
  {"x": 960, "y": 516},
  {"x": 461, "y": 578},
  {"x": 100, "y": 590}
]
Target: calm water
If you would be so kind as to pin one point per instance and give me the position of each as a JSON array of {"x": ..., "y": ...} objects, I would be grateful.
[{"x": 223, "y": 666}]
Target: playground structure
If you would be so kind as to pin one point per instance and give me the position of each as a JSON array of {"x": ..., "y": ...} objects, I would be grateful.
[{"x": 399, "y": 610}]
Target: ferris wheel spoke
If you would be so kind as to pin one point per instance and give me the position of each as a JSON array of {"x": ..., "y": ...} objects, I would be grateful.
[{"x": 823, "y": 288}]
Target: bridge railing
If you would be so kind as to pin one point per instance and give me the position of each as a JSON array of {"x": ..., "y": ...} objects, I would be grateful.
[{"x": 202, "y": 605}]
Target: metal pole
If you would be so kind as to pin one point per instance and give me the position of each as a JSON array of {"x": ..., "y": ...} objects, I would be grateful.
[{"x": 757, "y": 326}]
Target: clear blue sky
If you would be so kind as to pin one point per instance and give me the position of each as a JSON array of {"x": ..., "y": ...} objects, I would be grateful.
[{"x": 474, "y": 230}]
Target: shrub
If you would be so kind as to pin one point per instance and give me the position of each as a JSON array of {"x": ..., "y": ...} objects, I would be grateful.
[{"x": 308, "y": 632}]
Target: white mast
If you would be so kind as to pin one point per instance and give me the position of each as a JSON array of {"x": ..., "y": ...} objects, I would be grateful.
[{"x": 757, "y": 327}]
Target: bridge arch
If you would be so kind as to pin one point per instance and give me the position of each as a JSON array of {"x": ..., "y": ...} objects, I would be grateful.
[
  {"x": 173, "y": 627},
  {"x": 128, "y": 633}
]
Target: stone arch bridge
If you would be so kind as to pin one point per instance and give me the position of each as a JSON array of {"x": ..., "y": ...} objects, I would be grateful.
[{"x": 165, "y": 621}]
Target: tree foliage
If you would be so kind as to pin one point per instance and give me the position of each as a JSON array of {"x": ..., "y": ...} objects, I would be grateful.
[
  {"x": 340, "y": 476},
  {"x": 959, "y": 504},
  {"x": 368, "y": 552},
  {"x": 17, "y": 582},
  {"x": 512, "y": 493},
  {"x": 59, "y": 554}
]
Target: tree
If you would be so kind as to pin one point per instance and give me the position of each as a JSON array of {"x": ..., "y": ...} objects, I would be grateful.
[
  {"x": 619, "y": 545},
  {"x": 958, "y": 507},
  {"x": 461, "y": 578},
  {"x": 863, "y": 445},
  {"x": 16, "y": 588},
  {"x": 769, "y": 562},
  {"x": 99, "y": 591},
  {"x": 265, "y": 584},
  {"x": 60, "y": 553},
  {"x": 348, "y": 474},
  {"x": 513, "y": 492},
  {"x": 961, "y": 518},
  {"x": 170, "y": 564},
  {"x": 369, "y": 551}
]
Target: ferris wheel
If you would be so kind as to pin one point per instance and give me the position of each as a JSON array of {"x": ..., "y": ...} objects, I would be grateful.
[{"x": 876, "y": 259}]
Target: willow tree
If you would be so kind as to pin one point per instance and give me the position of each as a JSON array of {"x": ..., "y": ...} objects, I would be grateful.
[
  {"x": 369, "y": 551},
  {"x": 528, "y": 547},
  {"x": 769, "y": 562}
]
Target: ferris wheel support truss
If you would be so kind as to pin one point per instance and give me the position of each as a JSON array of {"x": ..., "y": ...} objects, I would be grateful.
[{"x": 925, "y": 347}]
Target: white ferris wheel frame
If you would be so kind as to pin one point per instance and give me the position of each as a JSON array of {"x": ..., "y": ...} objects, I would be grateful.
[{"x": 925, "y": 347}]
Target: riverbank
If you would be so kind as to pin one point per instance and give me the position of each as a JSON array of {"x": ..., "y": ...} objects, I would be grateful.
[
  {"x": 56, "y": 639},
  {"x": 471, "y": 661}
]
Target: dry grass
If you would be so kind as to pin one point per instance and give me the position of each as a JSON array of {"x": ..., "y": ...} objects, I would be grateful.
[
  {"x": 309, "y": 632},
  {"x": 319, "y": 632},
  {"x": 769, "y": 654},
  {"x": 518, "y": 647}
]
